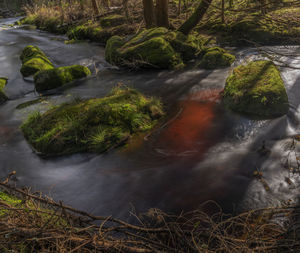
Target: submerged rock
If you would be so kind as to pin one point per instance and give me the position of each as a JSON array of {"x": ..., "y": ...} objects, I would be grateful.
[
  {"x": 216, "y": 57},
  {"x": 57, "y": 77},
  {"x": 152, "y": 48},
  {"x": 94, "y": 125},
  {"x": 34, "y": 60},
  {"x": 257, "y": 89},
  {"x": 3, "y": 97}
]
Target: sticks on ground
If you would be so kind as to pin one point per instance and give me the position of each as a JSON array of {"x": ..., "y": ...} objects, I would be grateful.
[{"x": 39, "y": 224}]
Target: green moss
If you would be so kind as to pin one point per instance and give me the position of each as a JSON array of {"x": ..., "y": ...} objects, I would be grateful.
[
  {"x": 35, "y": 65},
  {"x": 3, "y": 97},
  {"x": 279, "y": 26},
  {"x": 96, "y": 33},
  {"x": 112, "y": 20},
  {"x": 57, "y": 77},
  {"x": 94, "y": 125},
  {"x": 31, "y": 52},
  {"x": 146, "y": 35},
  {"x": 8, "y": 200},
  {"x": 111, "y": 53},
  {"x": 29, "y": 20},
  {"x": 257, "y": 89},
  {"x": 34, "y": 60},
  {"x": 46, "y": 23},
  {"x": 156, "y": 48},
  {"x": 216, "y": 57},
  {"x": 155, "y": 52},
  {"x": 45, "y": 214}
]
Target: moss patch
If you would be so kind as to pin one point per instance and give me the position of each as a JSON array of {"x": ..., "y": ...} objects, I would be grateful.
[
  {"x": 3, "y": 82},
  {"x": 94, "y": 125},
  {"x": 216, "y": 57},
  {"x": 94, "y": 32},
  {"x": 57, "y": 77},
  {"x": 46, "y": 23},
  {"x": 257, "y": 89},
  {"x": 34, "y": 60},
  {"x": 154, "y": 48}
]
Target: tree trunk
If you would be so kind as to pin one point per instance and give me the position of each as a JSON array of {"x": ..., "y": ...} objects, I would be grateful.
[
  {"x": 196, "y": 17},
  {"x": 223, "y": 12},
  {"x": 162, "y": 10},
  {"x": 95, "y": 7},
  {"x": 149, "y": 13},
  {"x": 179, "y": 8}
]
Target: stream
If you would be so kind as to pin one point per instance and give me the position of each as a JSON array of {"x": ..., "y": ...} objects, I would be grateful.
[{"x": 202, "y": 153}]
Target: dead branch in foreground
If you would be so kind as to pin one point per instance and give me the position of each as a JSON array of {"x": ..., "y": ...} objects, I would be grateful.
[{"x": 33, "y": 223}]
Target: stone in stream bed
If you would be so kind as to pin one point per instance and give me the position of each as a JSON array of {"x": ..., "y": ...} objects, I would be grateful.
[
  {"x": 256, "y": 89},
  {"x": 216, "y": 57},
  {"x": 152, "y": 48},
  {"x": 94, "y": 125},
  {"x": 57, "y": 77},
  {"x": 34, "y": 60},
  {"x": 3, "y": 97}
]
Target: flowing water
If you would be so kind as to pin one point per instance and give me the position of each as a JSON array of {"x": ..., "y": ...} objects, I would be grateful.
[{"x": 202, "y": 152}]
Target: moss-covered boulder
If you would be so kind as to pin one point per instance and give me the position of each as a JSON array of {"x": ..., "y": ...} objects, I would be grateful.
[
  {"x": 112, "y": 20},
  {"x": 94, "y": 125},
  {"x": 257, "y": 89},
  {"x": 216, "y": 57},
  {"x": 3, "y": 97},
  {"x": 57, "y": 77},
  {"x": 94, "y": 32},
  {"x": 152, "y": 48},
  {"x": 34, "y": 60}
]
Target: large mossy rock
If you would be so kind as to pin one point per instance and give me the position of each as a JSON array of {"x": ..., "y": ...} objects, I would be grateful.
[
  {"x": 3, "y": 97},
  {"x": 34, "y": 60},
  {"x": 57, "y": 77},
  {"x": 94, "y": 125},
  {"x": 256, "y": 89},
  {"x": 153, "y": 48},
  {"x": 216, "y": 57}
]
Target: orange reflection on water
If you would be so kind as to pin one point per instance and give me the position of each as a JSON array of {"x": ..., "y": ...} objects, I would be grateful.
[{"x": 189, "y": 131}]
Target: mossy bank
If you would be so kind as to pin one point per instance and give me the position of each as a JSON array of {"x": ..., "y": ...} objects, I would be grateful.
[
  {"x": 94, "y": 125},
  {"x": 96, "y": 31},
  {"x": 256, "y": 89}
]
